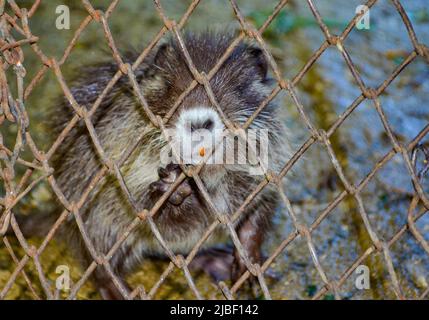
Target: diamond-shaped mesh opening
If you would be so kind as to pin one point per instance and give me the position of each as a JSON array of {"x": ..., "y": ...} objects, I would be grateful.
[
  {"x": 303, "y": 235},
  {"x": 398, "y": 106},
  {"x": 356, "y": 140},
  {"x": 413, "y": 274}
]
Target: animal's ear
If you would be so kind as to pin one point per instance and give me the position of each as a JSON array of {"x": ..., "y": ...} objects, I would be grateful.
[
  {"x": 259, "y": 60},
  {"x": 162, "y": 53}
]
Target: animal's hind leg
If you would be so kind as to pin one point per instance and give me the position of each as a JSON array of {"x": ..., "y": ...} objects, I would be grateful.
[
  {"x": 251, "y": 232},
  {"x": 216, "y": 262},
  {"x": 251, "y": 238}
]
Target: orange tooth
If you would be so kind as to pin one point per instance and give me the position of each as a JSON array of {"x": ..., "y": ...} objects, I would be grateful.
[{"x": 202, "y": 151}]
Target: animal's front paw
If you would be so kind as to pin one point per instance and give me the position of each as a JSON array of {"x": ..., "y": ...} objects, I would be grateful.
[{"x": 167, "y": 176}]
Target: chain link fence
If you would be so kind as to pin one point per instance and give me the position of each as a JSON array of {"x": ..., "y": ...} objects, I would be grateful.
[{"x": 14, "y": 20}]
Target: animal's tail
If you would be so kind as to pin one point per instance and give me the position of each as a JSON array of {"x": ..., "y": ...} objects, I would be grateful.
[{"x": 34, "y": 225}]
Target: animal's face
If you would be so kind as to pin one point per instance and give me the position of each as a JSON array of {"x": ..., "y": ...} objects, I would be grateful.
[{"x": 201, "y": 120}]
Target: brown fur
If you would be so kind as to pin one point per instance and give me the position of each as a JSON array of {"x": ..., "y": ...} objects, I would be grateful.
[{"x": 239, "y": 86}]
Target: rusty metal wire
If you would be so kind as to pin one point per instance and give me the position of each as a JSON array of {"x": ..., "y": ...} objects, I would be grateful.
[{"x": 13, "y": 110}]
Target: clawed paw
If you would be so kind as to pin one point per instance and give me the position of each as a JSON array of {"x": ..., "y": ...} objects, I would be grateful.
[{"x": 167, "y": 177}]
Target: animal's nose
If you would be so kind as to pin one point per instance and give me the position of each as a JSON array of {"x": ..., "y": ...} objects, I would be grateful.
[
  {"x": 198, "y": 119},
  {"x": 199, "y": 124}
]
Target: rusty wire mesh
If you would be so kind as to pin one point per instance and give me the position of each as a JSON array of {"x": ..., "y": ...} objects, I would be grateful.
[{"x": 14, "y": 111}]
